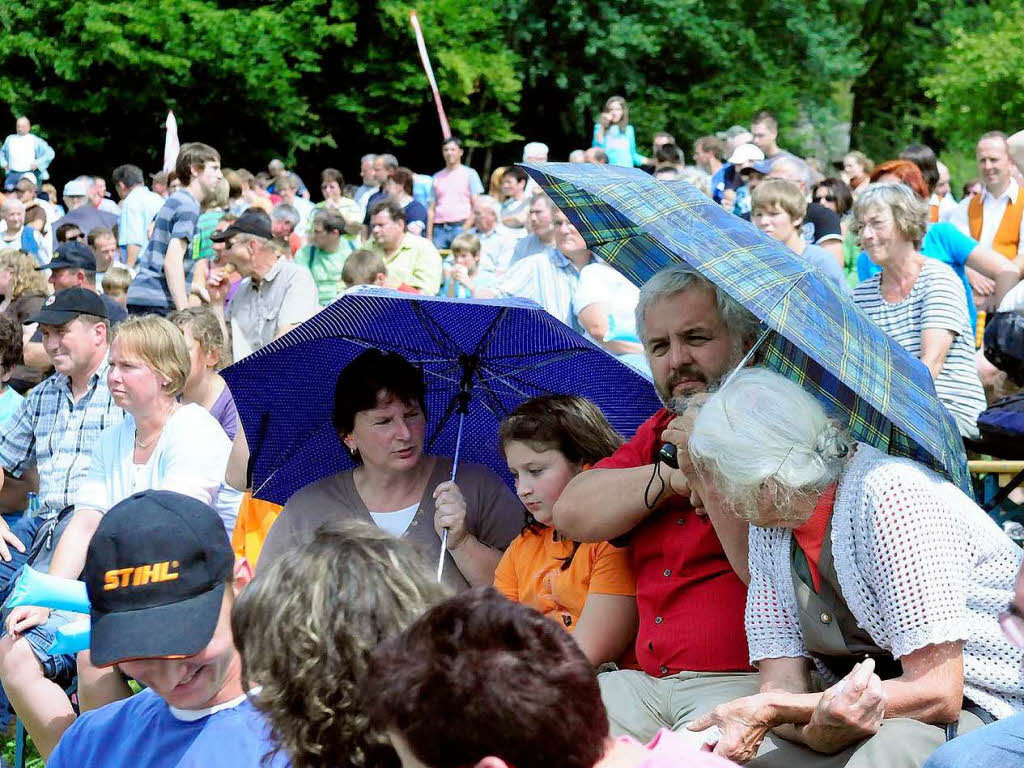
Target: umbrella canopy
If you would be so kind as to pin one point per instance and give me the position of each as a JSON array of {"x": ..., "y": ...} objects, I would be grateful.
[
  {"x": 498, "y": 352},
  {"x": 818, "y": 337}
]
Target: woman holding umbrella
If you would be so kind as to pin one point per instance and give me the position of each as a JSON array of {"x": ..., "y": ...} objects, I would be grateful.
[
  {"x": 871, "y": 571},
  {"x": 380, "y": 416}
]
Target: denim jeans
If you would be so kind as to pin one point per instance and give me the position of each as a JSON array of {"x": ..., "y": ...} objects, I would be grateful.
[
  {"x": 25, "y": 529},
  {"x": 445, "y": 233},
  {"x": 998, "y": 745}
]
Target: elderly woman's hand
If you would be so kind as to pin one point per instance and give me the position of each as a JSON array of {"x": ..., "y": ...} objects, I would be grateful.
[
  {"x": 742, "y": 725},
  {"x": 450, "y": 513},
  {"x": 850, "y": 711}
]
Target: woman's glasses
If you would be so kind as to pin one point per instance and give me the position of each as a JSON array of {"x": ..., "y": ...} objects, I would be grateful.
[
  {"x": 1012, "y": 623},
  {"x": 825, "y": 199}
]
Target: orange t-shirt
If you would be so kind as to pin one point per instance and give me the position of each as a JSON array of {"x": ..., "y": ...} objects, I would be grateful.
[
  {"x": 252, "y": 525},
  {"x": 530, "y": 572},
  {"x": 810, "y": 536}
]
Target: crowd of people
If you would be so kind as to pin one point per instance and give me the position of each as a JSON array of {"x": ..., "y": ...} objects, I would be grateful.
[{"x": 785, "y": 596}]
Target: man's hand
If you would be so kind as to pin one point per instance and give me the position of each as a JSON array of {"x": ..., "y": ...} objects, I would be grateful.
[
  {"x": 678, "y": 434},
  {"x": 7, "y": 537},
  {"x": 850, "y": 711},
  {"x": 217, "y": 285},
  {"x": 24, "y": 617},
  {"x": 981, "y": 285},
  {"x": 742, "y": 723},
  {"x": 450, "y": 513}
]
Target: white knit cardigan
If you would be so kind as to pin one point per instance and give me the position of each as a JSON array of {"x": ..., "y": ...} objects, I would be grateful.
[{"x": 919, "y": 563}]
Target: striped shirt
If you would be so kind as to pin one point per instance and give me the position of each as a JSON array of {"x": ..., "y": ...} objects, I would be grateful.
[
  {"x": 57, "y": 435},
  {"x": 936, "y": 301},
  {"x": 547, "y": 278},
  {"x": 176, "y": 220}
]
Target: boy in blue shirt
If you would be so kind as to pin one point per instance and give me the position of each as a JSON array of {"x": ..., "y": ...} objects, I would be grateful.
[{"x": 162, "y": 579}]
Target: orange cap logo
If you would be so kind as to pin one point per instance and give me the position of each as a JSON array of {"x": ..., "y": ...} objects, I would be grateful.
[{"x": 140, "y": 575}]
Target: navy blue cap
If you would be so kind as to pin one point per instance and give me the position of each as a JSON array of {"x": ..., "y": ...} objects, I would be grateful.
[
  {"x": 65, "y": 306},
  {"x": 72, "y": 255}
]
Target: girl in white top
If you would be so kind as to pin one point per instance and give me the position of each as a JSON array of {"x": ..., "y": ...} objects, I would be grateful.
[{"x": 922, "y": 569}]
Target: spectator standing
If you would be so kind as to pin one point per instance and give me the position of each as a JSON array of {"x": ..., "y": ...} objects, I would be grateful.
[
  {"x": 708, "y": 153},
  {"x": 409, "y": 259},
  {"x": 103, "y": 243},
  {"x": 325, "y": 255},
  {"x": 614, "y": 134},
  {"x": 26, "y": 190},
  {"x": 383, "y": 165},
  {"x": 80, "y": 213},
  {"x": 450, "y": 209},
  {"x": 166, "y": 264},
  {"x": 139, "y": 207},
  {"x": 96, "y": 187},
  {"x": 275, "y": 294},
  {"x": 23, "y": 153},
  {"x": 765, "y": 130}
]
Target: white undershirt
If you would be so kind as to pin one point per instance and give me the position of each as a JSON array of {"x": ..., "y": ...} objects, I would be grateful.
[
  {"x": 191, "y": 715},
  {"x": 396, "y": 523}
]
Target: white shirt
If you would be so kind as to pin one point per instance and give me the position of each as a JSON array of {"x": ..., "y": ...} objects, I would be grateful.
[
  {"x": 22, "y": 151},
  {"x": 992, "y": 210},
  {"x": 396, "y": 523}
]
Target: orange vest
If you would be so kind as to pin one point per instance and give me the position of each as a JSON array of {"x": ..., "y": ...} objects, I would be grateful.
[
  {"x": 252, "y": 526},
  {"x": 1007, "y": 237},
  {"x": 933, "y": 213}
]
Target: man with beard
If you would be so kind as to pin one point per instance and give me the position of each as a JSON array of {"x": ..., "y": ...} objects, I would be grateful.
[
  {"x": 690, "y": 573},
  {"x": 165, "y": 266}
]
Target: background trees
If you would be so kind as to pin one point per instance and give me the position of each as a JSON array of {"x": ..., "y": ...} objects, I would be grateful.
[{"x": 322, "y": 81}]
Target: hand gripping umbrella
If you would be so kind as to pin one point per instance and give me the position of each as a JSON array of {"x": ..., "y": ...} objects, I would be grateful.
[
  {"x": 480, "y": 360},
  {"x": 814, "y": 334}
]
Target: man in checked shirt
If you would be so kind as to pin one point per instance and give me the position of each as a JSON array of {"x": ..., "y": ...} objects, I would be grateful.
[{"x": 54, "y": 432}]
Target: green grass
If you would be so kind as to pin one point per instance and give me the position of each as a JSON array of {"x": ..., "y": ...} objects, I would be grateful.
[{"x": 32, "y": 758}]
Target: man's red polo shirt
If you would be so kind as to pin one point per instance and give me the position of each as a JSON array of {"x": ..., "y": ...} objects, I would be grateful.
[{"x": 690, "y": 600}]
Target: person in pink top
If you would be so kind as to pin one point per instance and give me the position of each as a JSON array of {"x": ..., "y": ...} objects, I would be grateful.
[
  {"x": 482, "y": 681},
  {"x": 451, "y": 194}
]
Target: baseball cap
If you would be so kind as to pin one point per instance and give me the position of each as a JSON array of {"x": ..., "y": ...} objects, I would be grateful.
[
  {"x": 75, "y": 188},
  {"x": 746, "y": 153},
  {"x": 72, "y": 255},
  {"x": 65, "y": 306},
  {"x": 761, "y": 166},
  {"x": 252, "y": 222},
  {"x": 155, "y": 572}
]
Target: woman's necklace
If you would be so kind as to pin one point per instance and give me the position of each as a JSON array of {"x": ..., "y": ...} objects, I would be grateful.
[{"x": 144, "y": 446}]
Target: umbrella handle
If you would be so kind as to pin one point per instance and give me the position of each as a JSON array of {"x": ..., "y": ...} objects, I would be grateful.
[{"x": 455, "y": 466}]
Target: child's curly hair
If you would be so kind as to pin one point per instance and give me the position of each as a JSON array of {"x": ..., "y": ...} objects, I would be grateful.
[{"x": 305, "y": 627}]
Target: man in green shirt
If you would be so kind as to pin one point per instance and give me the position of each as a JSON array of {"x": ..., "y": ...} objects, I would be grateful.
[{"x": 325, "y": 255}]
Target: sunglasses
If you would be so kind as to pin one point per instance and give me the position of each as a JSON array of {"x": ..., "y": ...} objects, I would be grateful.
[
  {"x": 1011, "y": 621},
  {"x": 825, "y": 199}
]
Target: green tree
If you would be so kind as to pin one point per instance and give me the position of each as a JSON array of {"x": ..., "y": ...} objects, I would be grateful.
[{"x": 976, "y": 84}]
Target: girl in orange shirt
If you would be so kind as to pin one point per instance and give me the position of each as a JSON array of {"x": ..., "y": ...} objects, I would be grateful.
[{"x": 587, "y": 588}]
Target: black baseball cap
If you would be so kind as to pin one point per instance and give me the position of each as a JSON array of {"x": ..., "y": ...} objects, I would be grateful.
[
  {"x": 155, "y": 572},
  {"x": 253, "y": 221},
  {"x": 65, "y": 306},
  {"x": 72, "y": 255}
]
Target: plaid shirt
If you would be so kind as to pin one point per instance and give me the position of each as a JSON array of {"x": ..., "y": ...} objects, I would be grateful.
[{"x": 58, "y": 435}]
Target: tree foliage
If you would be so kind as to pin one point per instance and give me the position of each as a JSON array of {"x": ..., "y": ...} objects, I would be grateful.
[{"x": 321, "y": 81}]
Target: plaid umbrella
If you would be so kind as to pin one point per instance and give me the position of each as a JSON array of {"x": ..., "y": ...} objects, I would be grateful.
[{"x": 816, "y": 336}]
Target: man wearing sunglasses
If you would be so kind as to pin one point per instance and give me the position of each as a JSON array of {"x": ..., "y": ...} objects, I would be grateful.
[{"x": 1000, "y": 744}]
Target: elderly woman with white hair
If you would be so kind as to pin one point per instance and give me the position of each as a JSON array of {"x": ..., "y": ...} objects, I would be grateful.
[
  {"x": 875, "y": 588},
  {"x": 918, "y": 301}
]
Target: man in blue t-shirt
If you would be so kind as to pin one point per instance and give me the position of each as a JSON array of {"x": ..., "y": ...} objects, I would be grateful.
[
  {"x": 165, "y": 266},
  {"x": 162, "y": 579}
]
